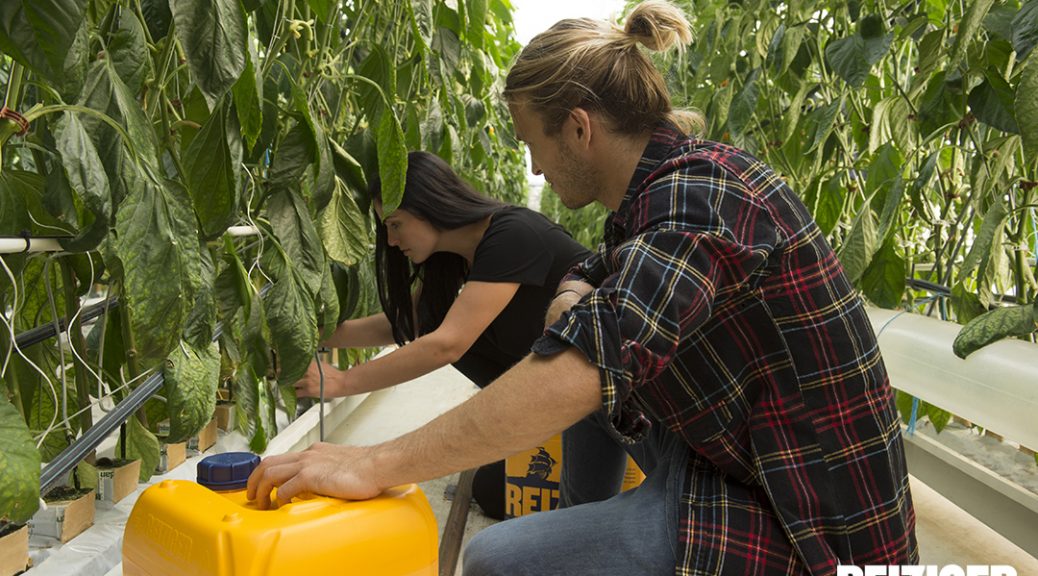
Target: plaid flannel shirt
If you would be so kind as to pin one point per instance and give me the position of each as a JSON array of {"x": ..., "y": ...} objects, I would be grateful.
[{"x": 721, "y": 312}]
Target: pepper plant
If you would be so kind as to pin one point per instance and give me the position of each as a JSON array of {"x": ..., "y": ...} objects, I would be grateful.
[
  {"x": 911, "y": 131},
  {"x": 909, "y": 128},
  {"x": 139, "y": 131}
]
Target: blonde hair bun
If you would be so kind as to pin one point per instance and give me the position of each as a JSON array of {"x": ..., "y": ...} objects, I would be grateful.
[{"x": 658, "y": 25}]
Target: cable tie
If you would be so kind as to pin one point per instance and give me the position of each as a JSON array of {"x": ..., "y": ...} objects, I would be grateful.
[{"x": 6, "y": 112}]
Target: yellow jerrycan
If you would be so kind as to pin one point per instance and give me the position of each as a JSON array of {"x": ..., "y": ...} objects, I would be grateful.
[{"x": 208, "y": 528}]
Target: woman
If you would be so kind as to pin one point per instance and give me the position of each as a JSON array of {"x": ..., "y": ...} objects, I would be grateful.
[{"x": 463, "y": 279}]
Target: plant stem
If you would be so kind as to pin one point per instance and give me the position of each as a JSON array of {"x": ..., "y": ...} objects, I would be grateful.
[
  {"x": 76, "y": 340},
  {"x": 14, "y": 86}
]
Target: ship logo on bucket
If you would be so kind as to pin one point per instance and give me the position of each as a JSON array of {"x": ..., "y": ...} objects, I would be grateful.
[
  {"x": 541, "y": 465},
  {"x": 532, "y": 479}
]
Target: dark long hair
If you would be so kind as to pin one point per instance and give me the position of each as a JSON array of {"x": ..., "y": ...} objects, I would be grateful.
[{"x": 432, "y": 192}]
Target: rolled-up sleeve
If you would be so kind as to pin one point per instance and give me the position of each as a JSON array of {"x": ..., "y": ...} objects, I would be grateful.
[{"x": 591, "y": 270}]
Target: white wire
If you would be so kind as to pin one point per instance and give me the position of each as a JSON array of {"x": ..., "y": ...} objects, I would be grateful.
[
  {"x": 15, "y": 348},
  {"x": 248, "y": 218},
  {"x": 110, "y": 394},
  {"x": 42, "y": 225}
]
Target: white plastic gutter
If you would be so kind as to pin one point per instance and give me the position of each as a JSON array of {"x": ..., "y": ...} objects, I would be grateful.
[{"x": 996, "y": 387}]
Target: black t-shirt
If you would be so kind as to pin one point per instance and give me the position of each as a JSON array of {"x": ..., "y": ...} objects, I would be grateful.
[{"x": 521, "y": 246}]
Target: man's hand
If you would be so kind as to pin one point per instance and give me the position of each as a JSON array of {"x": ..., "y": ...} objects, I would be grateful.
[
  {"x": 326, "y": 469},
  {"x": 568, "y": 294},
  {"x": 309, "y": 386}
]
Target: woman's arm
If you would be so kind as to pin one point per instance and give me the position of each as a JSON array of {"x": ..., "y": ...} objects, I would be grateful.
[
  {"x": 369, "y": 331},
  {"x": 478, "y": 304}
]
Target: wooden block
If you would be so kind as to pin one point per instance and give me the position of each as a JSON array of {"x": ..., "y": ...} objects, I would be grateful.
[
  {"x": 225, "y": 414},
  {"x": 66, "y": 516},
  {"x": 171, "y": 456},
  {"x": 206, "y": 437},
  {"x": 117, "y": 482},
  {"x": 14, "y": 552}
]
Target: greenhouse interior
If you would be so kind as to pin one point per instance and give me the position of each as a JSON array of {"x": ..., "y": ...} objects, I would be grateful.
[{"x": 331, "y": 286}]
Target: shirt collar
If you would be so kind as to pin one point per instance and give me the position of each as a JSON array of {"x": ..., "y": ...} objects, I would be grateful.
[{"x": 663, "y": 140}]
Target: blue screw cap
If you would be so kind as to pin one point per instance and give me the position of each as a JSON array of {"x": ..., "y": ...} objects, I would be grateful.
[{"x": 227, "y": 471}]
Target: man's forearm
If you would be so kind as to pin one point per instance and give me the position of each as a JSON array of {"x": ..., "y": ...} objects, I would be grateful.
[{"x": 533, "y": 401}]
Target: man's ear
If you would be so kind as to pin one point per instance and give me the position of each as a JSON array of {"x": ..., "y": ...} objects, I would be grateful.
[{"x": 579, "y": 127}]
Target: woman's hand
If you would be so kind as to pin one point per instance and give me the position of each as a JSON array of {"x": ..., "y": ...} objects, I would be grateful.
[
  {"x": 325, "y": 469},
  {"x": 309, "y": 386},
  {"x": 568, "y": 294}
]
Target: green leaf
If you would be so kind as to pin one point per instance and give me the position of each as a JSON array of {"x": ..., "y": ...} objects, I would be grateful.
[
  {"x": 291, "y": 315},
  {"x": 938, "y": 417},
  {"x": 294, "y": 154},
  {"x": 379, "y": 69},
  {"x": 345, "y": 233},
  {"x": 992, "y": 103},
  {"x": 87, "y": 179},
  {"x": 128, "y": 50},
  {"x": 904, "y": 405},
  {"x": 413, "y": 132},
  {"x": 232, "y": 287},
  {"x": 792, "y": 115},
  {"x": 348, "y": 168},
  {"x": 856, "y": 253},
  {"x": 141, "y": 445},
  {"x": 903, "y": 126},
  {"x": 392, "y": 161},
  {"x": 157, "y": 245},
  {"x": 19, "y": 466},
  {"x": 248, "y": 101},
  {"x": 201, "y": 319},
  {"x": 829, "y": 207},
  {"x": 995, "y": 325},
  {"x": 743, "y": 105},
  {"x": 328, "y": 308},
  {"x": 253, "y": 401},
  {"x": 1025, "y": 29},
  {"x": 158, "y": 17},
  {"x": 884, "y": 281},
  {"x": 214, "y": 37},
  {"x": 21, "y": 206},
  {"x": 968, "y": 27},
  {"x": 853, "y": 57},
  {"x": 966, "y": 304},
  {"x": 212, "y": 163},
  {"x": 42, "y": 35},
  {"x": 477, "y": 17},
  {"x": 323, "y": 8},
  {"x": 298, "y": 238},
  {"x": 191, "y": 376},
  {"x": 1027, "y": 107},
  {"x": 720, "y": 107},
  {"x": 347, "y": 288},
  {"x": 985, "y": 241},
  {"x": 105, "y": 91},
  {"x": 447, "y": 46},
  {"x": 821, "y": 122}
]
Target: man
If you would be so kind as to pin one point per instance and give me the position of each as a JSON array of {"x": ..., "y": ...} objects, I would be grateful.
[{"x": 714, "y": 336}]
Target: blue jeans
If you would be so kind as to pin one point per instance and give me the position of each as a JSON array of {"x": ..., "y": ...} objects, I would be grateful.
[{"x": 630, "y": 533}]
